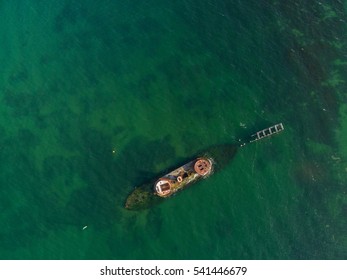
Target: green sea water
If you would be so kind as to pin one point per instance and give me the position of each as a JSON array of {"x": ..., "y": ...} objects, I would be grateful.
[{"x": 100, "y": 96}]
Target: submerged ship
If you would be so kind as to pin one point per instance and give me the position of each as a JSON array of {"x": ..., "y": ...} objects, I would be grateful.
[{"x": 195, "y": 169}]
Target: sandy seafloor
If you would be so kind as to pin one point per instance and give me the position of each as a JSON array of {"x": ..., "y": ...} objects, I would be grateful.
[{"x": 157, "y": 81}]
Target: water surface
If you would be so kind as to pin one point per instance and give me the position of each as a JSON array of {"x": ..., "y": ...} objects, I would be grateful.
[{"x": 156, "y": 81}]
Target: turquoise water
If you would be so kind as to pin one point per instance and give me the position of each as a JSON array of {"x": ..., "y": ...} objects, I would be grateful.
[{"x": 99, "y": 96}]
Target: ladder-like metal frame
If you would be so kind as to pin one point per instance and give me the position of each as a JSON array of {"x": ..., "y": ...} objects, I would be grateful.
[{"x": 267, "y": 132}]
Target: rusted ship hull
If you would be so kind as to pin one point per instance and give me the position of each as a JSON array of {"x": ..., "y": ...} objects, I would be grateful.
[{"x": 200, "y": 167}]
